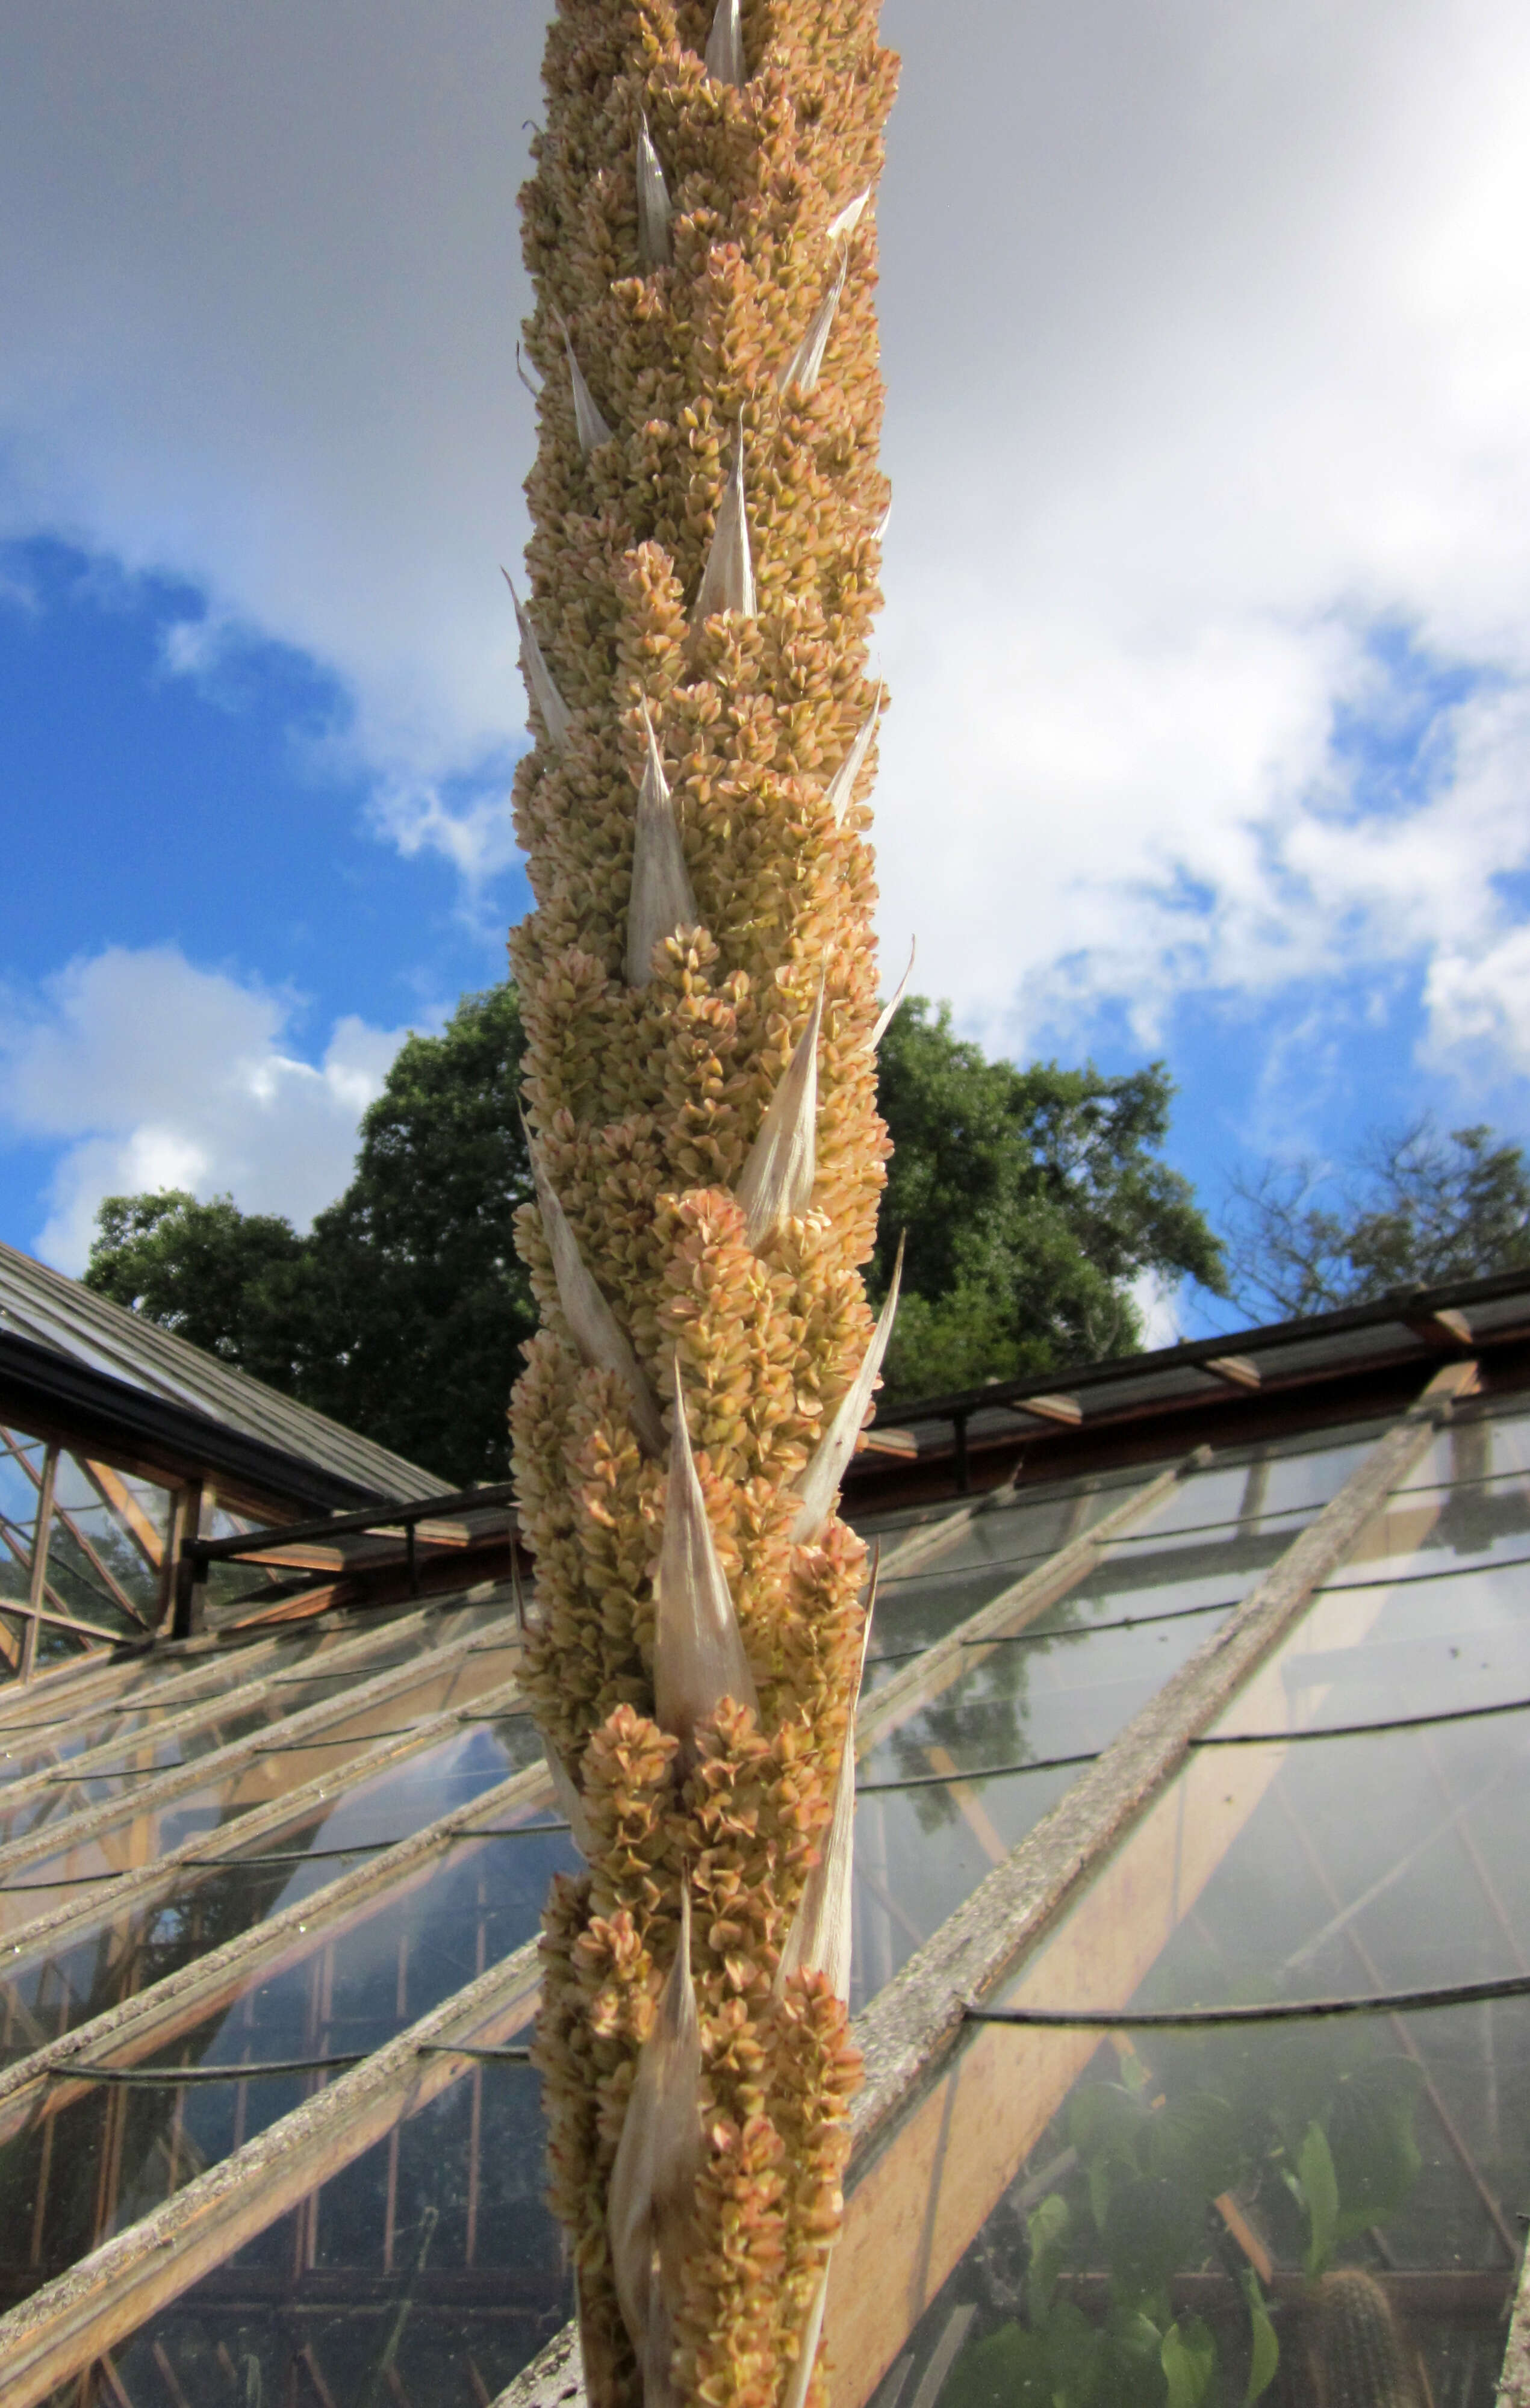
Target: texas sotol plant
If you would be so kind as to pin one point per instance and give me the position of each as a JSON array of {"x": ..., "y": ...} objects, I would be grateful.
[{"x": 699, "y": 986}]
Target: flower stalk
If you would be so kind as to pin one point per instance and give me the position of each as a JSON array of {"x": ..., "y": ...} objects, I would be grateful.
[{"x": 698, "y": 982}]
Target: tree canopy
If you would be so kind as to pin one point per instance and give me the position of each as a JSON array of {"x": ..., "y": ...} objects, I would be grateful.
[
  {"x": 1033, "y": 1202},
  {"x": 1411, "y": 1208}
]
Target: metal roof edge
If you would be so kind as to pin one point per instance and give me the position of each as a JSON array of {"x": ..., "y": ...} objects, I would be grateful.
[{"x": 84, "y": 1407}]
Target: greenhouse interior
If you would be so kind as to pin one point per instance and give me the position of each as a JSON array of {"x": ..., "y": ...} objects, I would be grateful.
[{"x": 1191, "y": 1908}]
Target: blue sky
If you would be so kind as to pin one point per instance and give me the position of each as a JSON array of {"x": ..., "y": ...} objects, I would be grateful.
[{"x": 1207, "y": 339}]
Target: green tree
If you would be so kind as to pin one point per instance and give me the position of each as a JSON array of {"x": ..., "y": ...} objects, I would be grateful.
[
  {"x": 1033, "y": 1200},
  {"x": 1411, "y": 1208},
  {"x": 219, "y": 1278},
  {"x": 402, "y": 1311}
]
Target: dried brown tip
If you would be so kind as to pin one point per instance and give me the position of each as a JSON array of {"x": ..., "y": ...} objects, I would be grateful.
[
  {"x": 728, "y": 581},
  {"x": 661, "y": 899},
  {"x": 776, "y": 1182},
  {"x": 819, "y": 1486},
  {"x": 840, "y": 786},
  {"x": 594, "y": 1327},
  {"x": 725, "y": 45},
  {"x": 806, "y": 363},
  {"x": 539, "y": 677},
  {"x": 653, "y": 245},
  {"x": 884, "y": 1020},
  {"x": 698, "y": 1657},
  {"x": 651, "y": 2203}
]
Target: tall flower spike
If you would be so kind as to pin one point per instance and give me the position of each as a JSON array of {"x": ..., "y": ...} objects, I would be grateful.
[
  {"x": 776, "y": 1182},
  {"x": 539, "y": 677},
  {"x": 819, "y": 1939},
  {"x": 661, "y": 899},
  {"x": 594, "y": 1327},
  {"x": 698, "y": 1657},
  {"x": 651, "y": 2205},
  {"x": 885, "y": 1021},
  {"x": 803, "y": 367},
  {"x": 819, "y": 1484},
  {"x": 728, "y": 581},
  {"x": 841, "y": 786},
  {"x": 725, "y": 45},
  {"x": 653, "y": 245},
  {"x": 840, "y": 229},
  {"x": 589, "y": 425}
]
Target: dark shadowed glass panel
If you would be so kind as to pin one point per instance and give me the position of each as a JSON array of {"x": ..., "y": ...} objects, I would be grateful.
[{"x": 425, "y": 2274}]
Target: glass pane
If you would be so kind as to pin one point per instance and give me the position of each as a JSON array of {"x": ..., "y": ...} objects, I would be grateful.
[
  {"x": 1033, "y": 1704},
  {"x": 115, "y": 1956},
  {"x": 426, "y": 2274},
  {"x": 1322, "y": 2192},
  {"x": 66, "y": 2180}
]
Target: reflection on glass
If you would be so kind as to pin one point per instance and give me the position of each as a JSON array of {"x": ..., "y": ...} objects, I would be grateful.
[
  {"x": 92, "y": 2163},
  {"x": 1020, "y": 1713},
  {"x": 1218, "y": 2214},
  {"x": 426, "y": 2274}
]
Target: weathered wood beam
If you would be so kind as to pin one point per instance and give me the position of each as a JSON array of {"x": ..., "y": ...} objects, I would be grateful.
[
  {"x": 137, "y": 2027},
  {"x": 949, "y": 2110},
  {"x": 1066, "y": 1409},
  {"x": 1448, "y": 1331},
  {"x": 1234, "y": 1371},
  {"x": 68, "y": 2323},
  {"x": 939, "y": 1666},
  {"x": 136, "y": 1885},
  {"x": 198, "y": 1772}
]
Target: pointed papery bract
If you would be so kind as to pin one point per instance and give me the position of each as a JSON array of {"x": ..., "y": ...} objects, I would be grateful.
[
  {"x": 728, "y": 581},
  {"x": 839, "y": 229},
  {"x": 653, "y": 245},
  {"x": 570, "y": 1803},
  {"x": 819, "y": 1939},
  {"x": 593, "y": 1327},
  {"x": 698, "y": 1657},
  {"x": 801, "y": 2373},
  {"x": 884, "y": 1021},
  {"x": 532, "y": 385},
  {"x": 539, "y": 677},
  {"x": 803, "y": 368},
  {"x": 819, "y": 1484},
  {"x": 841, "y": 786},
  {"x": 776, "y": 1182},
  {"x": 652, "y": 2180},
  {"x": 589, "y": 425},
  {"x": 725, "y": 45},
  {"x": 880, "y": 530},
  {"x": 661, "y": 899}
]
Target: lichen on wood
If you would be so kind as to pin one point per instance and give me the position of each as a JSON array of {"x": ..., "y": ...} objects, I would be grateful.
[{"x": 648, "y": 1082}]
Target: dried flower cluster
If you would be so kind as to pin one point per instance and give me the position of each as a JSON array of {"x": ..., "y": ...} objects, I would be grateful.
[{"x": 698, "y": 984}]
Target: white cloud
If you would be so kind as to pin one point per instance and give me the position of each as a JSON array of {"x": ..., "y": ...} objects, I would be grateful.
[
  {"x": 151, "y": 1072},
  {"x": 1207, "y": 333}
]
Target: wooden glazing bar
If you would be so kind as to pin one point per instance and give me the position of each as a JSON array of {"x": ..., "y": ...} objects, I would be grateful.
[
  {"x": 949, "y": 2110},
  {"x": 1022, "y": 1601},
  {"x": 150, "y": 2020},
  {"x": 113, "y": 1491},
  {"x": 210, "y": 1707},
  {"x": 119, "y": 1892},
  {"x": 118, "y": 1594},
  {"x": 37, "y": 1577},
  {"x": 70, "y": 2323},
  {"x": 90, "y": 1822}
]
